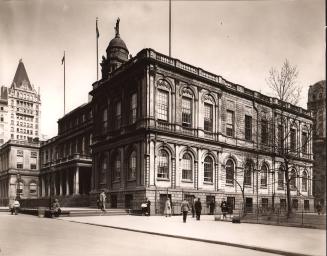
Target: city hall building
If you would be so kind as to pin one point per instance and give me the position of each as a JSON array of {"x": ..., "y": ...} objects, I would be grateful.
[{"x": 163, "y": 128}]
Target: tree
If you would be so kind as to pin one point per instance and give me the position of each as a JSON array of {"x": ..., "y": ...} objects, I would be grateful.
[{"x": 286, "y": 90}]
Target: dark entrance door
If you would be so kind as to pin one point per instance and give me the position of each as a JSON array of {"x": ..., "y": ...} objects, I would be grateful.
[
  {"x": 210, "y": 201},
  {"x": 128, "y": 201},
  {"x": 113, "y": 200},
  {"x": 248, "y": 205}
]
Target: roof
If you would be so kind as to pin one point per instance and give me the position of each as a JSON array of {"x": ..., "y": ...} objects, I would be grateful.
[
  {"x": 21, "y": 78},
  {"x": 117, "y": 42}
]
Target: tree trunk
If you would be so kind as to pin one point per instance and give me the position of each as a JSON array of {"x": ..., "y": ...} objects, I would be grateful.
[{"x": 288, "y": 192}]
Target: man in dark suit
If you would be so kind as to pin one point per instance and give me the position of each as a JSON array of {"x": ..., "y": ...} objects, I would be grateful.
[
  {"x": 185, "y": 207},
  {"x": 198, "y": 209}
]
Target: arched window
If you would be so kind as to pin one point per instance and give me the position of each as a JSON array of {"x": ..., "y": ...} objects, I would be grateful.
[
  {"x": 264, "y": 175},
  {"x": 187, "y": 167},
  {"x": 162, "y": 100},
  {"x": 280, "y": 178},
  {"x": 248, "y": 174},
  {"x": 208, "y": 117},
  {"x": 163, "y": 164},
  {"x": 117, "y": 166},
  {"x": 304, "y": 181},
  {"x": 292, "y": 179},
  {"x": 132, "y": 166},
  {"x": 33, "y": 188},
  {"x": 230, "y": 170},
  {"x": 208, "y": 169}
]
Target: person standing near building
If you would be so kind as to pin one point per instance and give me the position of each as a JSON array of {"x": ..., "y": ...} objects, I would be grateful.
[
  {"x": 198, "y": 209},
  {"x": 148, "y": 204},
  {"x": 224, "y": 208},
  {"x": 167, "y": 210},
  {"x": 14, "y": 207},
  {"x": 185, "y": 207},
  {"x": 103, "y": 201},
  {"x": 56, "y": 208}
]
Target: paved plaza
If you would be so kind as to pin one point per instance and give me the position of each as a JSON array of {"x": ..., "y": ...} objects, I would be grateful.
[{"x": 276, "y": 239}]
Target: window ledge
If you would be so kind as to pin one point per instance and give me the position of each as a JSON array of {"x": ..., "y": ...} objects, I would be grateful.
[
  {"x": 187, "y": 181},
  {"x": 130, "y": 180},
  {"x": 163, "y": 179},
  {"x": 263, "y": 186},
  {"x": 116, "y": 181},
  {"x": 229, "y": 184},
  {"x": 208, "y": 182}
]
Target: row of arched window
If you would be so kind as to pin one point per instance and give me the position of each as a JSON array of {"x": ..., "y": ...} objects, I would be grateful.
[{"x": 187, "y": 167}]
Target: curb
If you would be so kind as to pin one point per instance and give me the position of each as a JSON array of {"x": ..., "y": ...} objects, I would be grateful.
[{"x": 243, "y": 246}]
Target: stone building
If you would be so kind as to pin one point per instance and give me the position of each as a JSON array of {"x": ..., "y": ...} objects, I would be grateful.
[
  {"x": 317, "y": 104},
  {"x": 19, "y": 109},
  {"x": 66, "y": 161},
  {"x": 164, "y": 128},
  {"x": 19, "y": 170}
]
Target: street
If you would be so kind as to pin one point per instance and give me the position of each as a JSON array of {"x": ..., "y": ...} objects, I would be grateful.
[{"x": 30, "y": 235}]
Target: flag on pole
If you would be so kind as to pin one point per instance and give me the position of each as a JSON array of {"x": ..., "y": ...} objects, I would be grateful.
[
  {"x": 63, "y": 59},
  {"x": 97, "y": 29}
]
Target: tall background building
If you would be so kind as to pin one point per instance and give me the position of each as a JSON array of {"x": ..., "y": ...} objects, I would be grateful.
[
  {"x": 317, "y": 104},
  {"x": 19, "y": 108}
]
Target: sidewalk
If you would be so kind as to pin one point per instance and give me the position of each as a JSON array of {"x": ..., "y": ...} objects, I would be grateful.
[{"x": 275, "y": 239}]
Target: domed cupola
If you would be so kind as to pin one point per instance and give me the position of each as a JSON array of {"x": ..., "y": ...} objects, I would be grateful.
[{"x": 117, "y": 54}]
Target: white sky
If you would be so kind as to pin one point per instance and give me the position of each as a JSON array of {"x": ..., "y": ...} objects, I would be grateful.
[{"x": 239, "y": 40}]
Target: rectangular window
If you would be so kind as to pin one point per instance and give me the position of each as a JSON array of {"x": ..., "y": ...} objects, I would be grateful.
[
  {"x": 280, "y": 138},
  {"x": 20, "y": 153},
  {"x": 186, "y": 112},
  {"x": 118, "y": 115},
  {"x": 304, "y": 143},
  {"x": 208, "y": 117},
  {"x": 187, "y": 169},
  {"x": 230, "y": 123},
  {"x": 33, "y": 154},
  {"x": 295, "y": 204},
  {"x": 19, "y": 165},
  {"x": 133, "y": 108},
  {"x": 104, "y": 121},
  {"x": 264, "y": 203},
  {"x": 248, "y": 127},
  {"x": 306, "y": 205},
  {"x": 264, "y": 132},
  {"x": 162, "y": 105},
  {"x": 293, "y": 140},
  {"x": 283, "y": 204},
  {"x": 33, "y": 166}
]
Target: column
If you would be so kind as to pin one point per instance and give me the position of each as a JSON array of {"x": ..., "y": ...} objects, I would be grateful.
[
  {"x": 49, "y": 184},
  {"x": 42, "y": 186},
  {"x": 76, "y": 181},
  {"x": 60, "y": 183},
  {"x": 67, "y": 182},
  {"x": 54, "y": 184}
]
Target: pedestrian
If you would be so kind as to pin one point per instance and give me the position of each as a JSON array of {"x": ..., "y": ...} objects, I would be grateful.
[
  {"x": 56, "y": 211},
  {"x": 143, "y": 208},
  {"x": 148, "y": 204},
  {"x": 103, "y": 198},
  {"x": 185, "y": 207},
  {"x": 319, "y": 208},
  {"x": 167, "y": 210},
  {"x": 224, "y": 209},
  {"x": 14, "y": 207},
  {"x": 198, "y": 209}
]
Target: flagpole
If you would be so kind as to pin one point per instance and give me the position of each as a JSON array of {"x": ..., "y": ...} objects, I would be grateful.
[
  {"x": 169, "y": 28},
  {"x": 64, "y": 83},
  {"x": 97, "y": 39}
]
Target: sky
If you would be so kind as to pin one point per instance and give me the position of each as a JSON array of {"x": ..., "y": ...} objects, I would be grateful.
[{"x": 238, "y": 40}]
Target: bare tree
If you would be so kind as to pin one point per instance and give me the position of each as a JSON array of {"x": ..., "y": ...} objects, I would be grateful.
[{"x": 285, "y": 88}]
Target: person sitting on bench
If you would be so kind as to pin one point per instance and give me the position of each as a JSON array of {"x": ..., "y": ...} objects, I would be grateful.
[{"x": 56, "y": 211}]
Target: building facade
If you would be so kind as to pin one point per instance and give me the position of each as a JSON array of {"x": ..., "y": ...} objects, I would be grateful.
[
  {"x": 20, "y": 109},
  {"x": 19, "y": 170},
  {"x": 163, "y": 128},
  {"x": 65, "y": 160},
  {"x": 317, "y": 104}
]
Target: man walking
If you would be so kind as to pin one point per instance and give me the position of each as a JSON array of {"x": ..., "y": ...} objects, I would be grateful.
[
  {"x": 103, "y": 201},
  {"x": 198, "y": 209},
  {"x": 185, "y": 207},
  {"x": 148, "y": 208}
]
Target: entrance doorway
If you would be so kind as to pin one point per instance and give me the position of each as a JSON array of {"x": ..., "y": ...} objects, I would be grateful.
[
  {"x": 210, "y": 201},
  {"x": 248, "y": 205},
  {"x": 128, "y": 201},
  {"x": 113, "y": 200}
]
